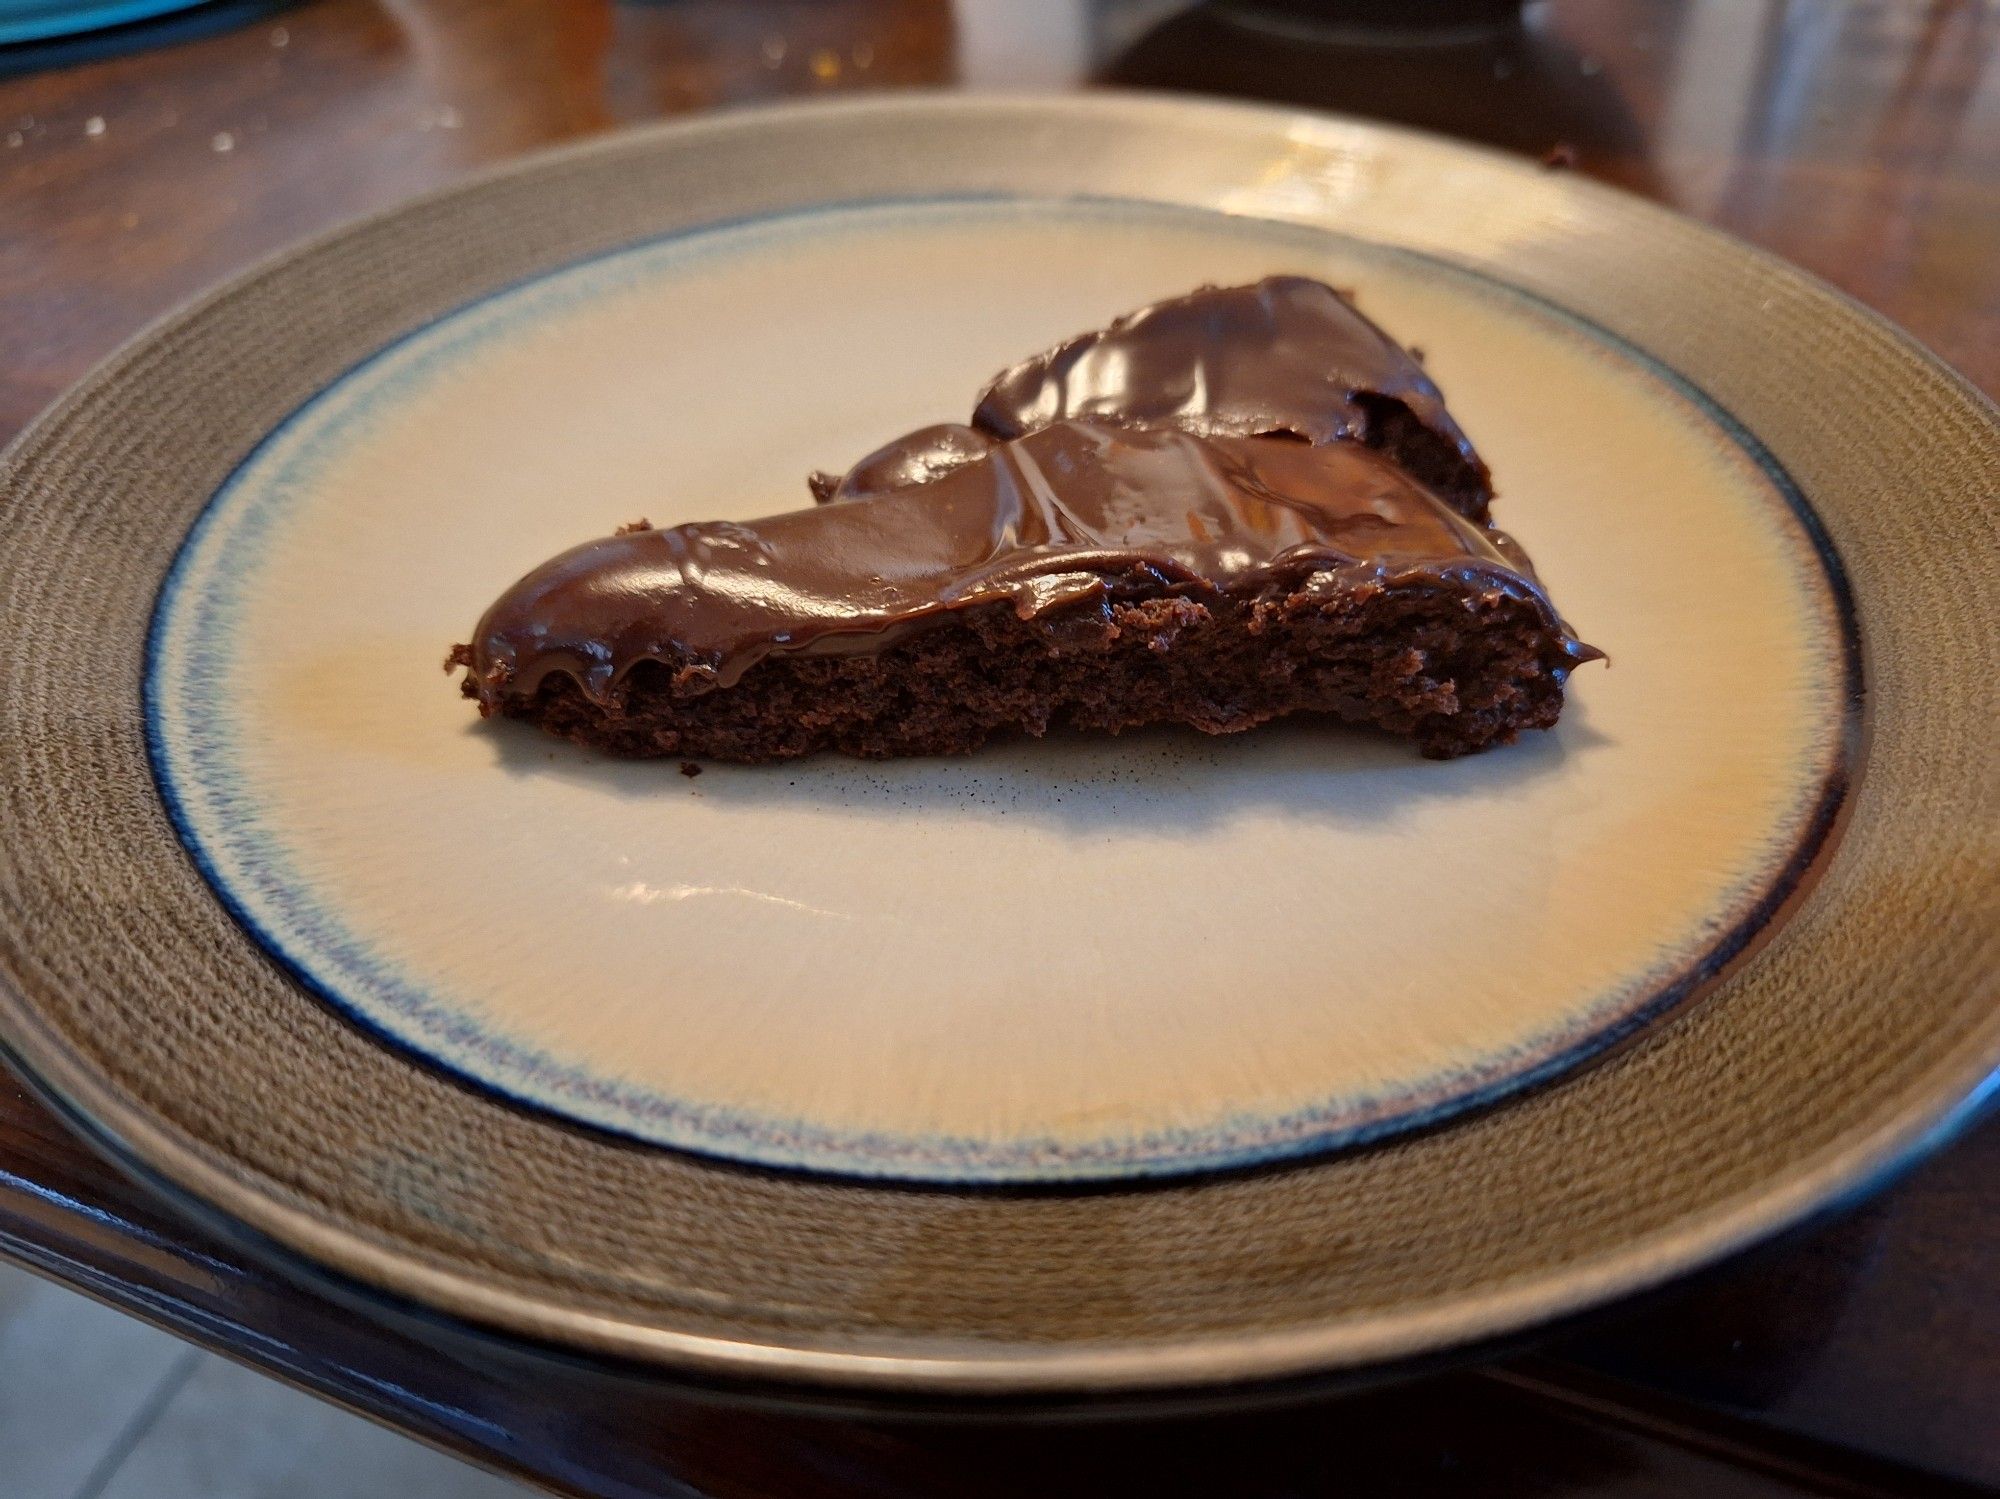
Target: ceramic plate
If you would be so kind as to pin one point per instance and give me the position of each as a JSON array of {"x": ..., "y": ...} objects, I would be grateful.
[
  {"x": 1061, "y": 959},
  {"x": 497, "y": 1024}
]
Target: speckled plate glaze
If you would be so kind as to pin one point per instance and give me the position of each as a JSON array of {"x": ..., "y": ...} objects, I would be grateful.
[{"x": 272, "y": 895}]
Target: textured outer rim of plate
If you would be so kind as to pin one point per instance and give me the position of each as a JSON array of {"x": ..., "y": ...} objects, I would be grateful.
[{"x": 1562, "y": 226}]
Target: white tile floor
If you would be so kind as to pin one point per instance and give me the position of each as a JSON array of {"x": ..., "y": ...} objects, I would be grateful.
[{"x": 94, "y": 1405}]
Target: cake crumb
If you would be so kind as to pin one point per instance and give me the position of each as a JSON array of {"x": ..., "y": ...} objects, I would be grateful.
[
  {"x": 641, "y": 524},
  {"x": 690, "y": 769}
]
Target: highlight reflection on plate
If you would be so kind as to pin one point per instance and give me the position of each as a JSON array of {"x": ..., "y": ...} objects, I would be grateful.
[{"x": 1061, "y": 959}]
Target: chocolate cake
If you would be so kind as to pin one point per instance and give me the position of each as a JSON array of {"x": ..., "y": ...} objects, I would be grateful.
[{"x": 1232, "y": 506}]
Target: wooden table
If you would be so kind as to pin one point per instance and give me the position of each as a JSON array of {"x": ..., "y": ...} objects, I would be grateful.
[{"x": 1860, "y": 139}]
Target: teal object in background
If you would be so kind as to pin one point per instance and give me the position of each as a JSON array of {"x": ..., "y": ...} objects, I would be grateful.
[{"x": 39, "y": 20}]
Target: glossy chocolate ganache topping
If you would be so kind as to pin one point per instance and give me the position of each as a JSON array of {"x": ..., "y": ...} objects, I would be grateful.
[
  {"x": 1285, "y": 357},
  {"x": 1070, "y": 517},
  {"x": 1222, "y": 443}
]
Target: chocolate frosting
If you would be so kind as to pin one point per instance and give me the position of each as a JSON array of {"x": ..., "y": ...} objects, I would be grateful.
[
  {"x": 1070, "y": 517},
  {"x": 925, "y": 454},
  {"x": 1220, "y": 442},
  {"x": 1287, "y": 356}
]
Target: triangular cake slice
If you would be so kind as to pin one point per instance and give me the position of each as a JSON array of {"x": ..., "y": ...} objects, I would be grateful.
[{"x": 1236, "y": 505}]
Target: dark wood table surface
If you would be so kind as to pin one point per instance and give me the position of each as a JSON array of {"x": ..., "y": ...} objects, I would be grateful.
[{"x": 1859, "y": 139}]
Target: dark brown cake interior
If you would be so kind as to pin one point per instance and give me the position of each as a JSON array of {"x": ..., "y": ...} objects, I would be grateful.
[{"x": 1409, "y": 662}]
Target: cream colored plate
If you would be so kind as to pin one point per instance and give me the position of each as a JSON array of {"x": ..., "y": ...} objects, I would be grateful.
[
  {"x": 1079, "y": 957},
  {"x": 1291, "y": 920}
]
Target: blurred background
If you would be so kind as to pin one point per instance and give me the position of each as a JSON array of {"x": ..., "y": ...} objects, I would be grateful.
[{"x": 197, "y": 141}]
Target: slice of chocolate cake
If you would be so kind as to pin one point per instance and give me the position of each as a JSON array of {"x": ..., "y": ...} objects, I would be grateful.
[
  {"x": 1227, "y": 507},
  {"x": 1087, "y": 573}
]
